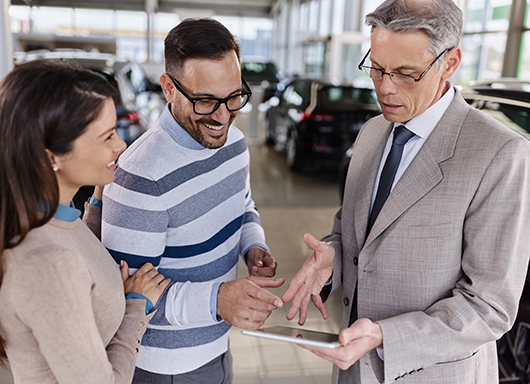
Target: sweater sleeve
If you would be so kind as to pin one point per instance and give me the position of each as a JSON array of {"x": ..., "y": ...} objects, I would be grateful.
[
  {"x": 55, "y": 303},
  {"x": 252, "y": 234}
]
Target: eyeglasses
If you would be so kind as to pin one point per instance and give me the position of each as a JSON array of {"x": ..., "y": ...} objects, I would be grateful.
[
  {"x": 397, "y": 78},
  {"x": 208, "y": 105}
]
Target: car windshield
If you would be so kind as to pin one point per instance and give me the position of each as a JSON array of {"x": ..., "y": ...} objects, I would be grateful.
[
  {"x": 346, "y": 98},
  {"x": 251, "y": 69}
]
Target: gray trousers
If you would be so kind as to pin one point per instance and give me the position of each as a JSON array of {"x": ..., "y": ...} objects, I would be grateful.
[{"x": 217, "y": 371}]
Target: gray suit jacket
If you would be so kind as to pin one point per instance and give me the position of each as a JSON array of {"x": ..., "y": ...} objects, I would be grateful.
[{"x": 443, "y": 268}]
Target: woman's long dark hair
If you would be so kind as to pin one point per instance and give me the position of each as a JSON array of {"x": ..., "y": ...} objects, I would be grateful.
[{"x": 43, "y": 105}]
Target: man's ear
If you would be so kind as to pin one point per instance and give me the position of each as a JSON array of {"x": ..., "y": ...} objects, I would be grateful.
[
  {"x": 452, "y": 61},
  {"x": 167, "y": 86}
]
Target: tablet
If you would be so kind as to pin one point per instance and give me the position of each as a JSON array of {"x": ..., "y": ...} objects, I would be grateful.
[{"x": 297, "y": 336}]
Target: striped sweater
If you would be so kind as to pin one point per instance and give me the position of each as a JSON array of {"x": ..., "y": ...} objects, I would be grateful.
[{"x": 187, "y": 210}]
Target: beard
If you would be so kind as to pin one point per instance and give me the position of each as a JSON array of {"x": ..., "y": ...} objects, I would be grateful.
[{"x": 194, "y": 128}]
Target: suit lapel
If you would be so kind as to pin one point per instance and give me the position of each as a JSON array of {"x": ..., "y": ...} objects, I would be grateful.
[
  {"x": 424, "y": 173},
  {"x": 363, "y": 168}
]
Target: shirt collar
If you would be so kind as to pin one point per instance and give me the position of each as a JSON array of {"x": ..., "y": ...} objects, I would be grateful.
[
  {"x": 175, "y": 130},
  {"x": 68, "y": 214},
  {"x": 425, "y": 123}
]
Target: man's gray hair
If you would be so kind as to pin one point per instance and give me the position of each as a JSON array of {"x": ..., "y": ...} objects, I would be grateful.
[{"x": 441, "y": 20}]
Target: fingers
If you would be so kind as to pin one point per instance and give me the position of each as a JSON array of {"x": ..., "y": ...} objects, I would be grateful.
[
  {"x": 317, "y": 301},
  {"x": 313, "y": 243},
  {"x": 260, "y": 262},
  {"x": 263, "y": 295},
  {"x": 245, "y": 304},
  {"x": 124, "y": 269},
  {"x": 265, "y": 282}
]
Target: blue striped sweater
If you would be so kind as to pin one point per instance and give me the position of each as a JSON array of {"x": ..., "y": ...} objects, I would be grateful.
[{"x": 187, "y": 210}]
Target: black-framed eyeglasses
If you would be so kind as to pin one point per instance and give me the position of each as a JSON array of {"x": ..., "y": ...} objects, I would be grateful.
[
  {"x": 397, "y": 78},
  {"x": 208, "y": 105}
]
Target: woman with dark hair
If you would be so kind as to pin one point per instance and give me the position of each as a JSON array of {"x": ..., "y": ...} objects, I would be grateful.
[{"x": 64, "y": 317}]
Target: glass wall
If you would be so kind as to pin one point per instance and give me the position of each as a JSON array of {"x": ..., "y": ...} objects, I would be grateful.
[
  {"x": 125, "y": 31},
  {"x": 340, "y": 37}
]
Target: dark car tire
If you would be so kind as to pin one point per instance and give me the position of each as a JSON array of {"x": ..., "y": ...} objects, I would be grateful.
[{"x": 292, "y": 152}]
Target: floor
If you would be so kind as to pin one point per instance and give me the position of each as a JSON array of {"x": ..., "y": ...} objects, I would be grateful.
[{"x": 290, "y": 205}]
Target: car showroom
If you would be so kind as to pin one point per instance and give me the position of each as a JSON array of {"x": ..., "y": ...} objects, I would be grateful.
[{"x": 315, "y": 80}]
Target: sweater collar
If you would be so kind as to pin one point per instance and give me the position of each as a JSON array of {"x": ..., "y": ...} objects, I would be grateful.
[{"x": 175, "y": 130}]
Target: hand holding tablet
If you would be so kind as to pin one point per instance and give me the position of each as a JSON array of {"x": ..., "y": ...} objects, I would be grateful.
[{"x": 297, "y": 336}]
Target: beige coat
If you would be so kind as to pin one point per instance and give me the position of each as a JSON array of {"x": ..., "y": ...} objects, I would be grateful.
[{"x": 444, "y": 265}]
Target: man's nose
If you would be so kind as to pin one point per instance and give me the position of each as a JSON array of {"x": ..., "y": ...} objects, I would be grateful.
[
  {"x": 222, "y": 114},
  {"x": 387, "y": 85}
]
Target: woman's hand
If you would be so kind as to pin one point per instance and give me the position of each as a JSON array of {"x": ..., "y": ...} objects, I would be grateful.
[
  {"x": 98, "y": 192},
  {"x": 145, "y": 281}
]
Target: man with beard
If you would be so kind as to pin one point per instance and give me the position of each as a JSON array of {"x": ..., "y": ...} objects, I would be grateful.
[{"x": 181, "y": 200}]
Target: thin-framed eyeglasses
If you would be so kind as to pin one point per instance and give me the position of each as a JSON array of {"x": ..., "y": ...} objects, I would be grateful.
[
  {"x": 397, "y": 78},
  {"x": 208, "y": 105}
]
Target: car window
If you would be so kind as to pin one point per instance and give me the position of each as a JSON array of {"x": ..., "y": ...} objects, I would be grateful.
[{"x": 346, "y": 98}]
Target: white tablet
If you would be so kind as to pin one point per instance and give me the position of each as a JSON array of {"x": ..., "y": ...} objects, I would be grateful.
[{"x": 297, "y": 336}]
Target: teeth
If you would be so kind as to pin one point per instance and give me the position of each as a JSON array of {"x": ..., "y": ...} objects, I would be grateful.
[
  {"x": 111, "y": 163},
  {"x": 214, "y": 127}
]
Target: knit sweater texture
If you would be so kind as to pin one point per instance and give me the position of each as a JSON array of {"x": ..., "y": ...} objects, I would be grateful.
[
  {"x": 63, "y": 311},
  {"x": 188, "y": 210}
]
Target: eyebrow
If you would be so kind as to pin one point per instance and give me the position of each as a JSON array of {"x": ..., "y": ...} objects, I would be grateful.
[
  {"x": 107, "y": 132},
  {"x": 208, "y": 95},
  {"x": 399, "y": 68}
]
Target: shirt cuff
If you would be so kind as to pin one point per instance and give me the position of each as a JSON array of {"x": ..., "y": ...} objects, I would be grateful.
[
  {"x": 148, "y": 303},
  {"x": 95, "y": 202},
  {"x": 213, "y": 302},
  {"x": 381, "y": 353}
]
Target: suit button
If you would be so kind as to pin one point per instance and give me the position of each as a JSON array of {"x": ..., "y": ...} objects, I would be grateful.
[
  {"x": 355, "y": 261},
  {"x": 346, "y": 301}
]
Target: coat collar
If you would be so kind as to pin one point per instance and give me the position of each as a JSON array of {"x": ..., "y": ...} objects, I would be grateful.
[{"x": 421, "y": 176}]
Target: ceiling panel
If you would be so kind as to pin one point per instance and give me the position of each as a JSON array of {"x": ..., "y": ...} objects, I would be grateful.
[{"x": 242, "y": 8}]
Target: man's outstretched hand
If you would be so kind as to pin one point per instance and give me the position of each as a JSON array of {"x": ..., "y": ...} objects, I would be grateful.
[{"x": 309, "y": 281}]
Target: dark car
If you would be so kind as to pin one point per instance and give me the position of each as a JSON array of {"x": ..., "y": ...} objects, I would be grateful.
[
  {"x": 261, "y": 73},
  {"x": 316, "y": 121},
  {"x": 139, "y": 103}
]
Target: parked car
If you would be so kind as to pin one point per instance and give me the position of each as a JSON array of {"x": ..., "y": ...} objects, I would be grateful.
[
  {"x": 139, "y": 102},
  {"x": 315, "y": 121},
  {"x": 508, "y": 101},
  {"x": 261, "y": 73}
]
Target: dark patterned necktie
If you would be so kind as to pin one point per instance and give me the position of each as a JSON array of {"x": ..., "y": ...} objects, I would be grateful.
[{"x": 401, "y": 136}]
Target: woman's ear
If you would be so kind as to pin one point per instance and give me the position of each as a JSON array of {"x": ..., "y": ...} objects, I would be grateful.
[{"x": 53, "y": 160}]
